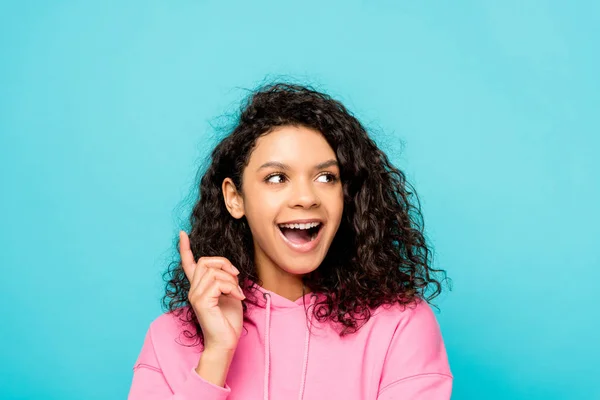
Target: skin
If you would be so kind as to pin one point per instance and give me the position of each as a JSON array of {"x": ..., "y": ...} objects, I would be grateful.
[
  {"x": 216, "y": 298},
  {"x": 269, "y": 195},
  {"x": 273, "y": 195}
]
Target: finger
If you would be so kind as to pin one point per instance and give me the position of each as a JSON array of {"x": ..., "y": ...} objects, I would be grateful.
[
  {"x": 203, "y": 264},
  {"x": 213, "y": 274},
  {"x": 220, "y": 262},
  {"x": 187, "y": 257},
  {"x": 219, "y": 287}
]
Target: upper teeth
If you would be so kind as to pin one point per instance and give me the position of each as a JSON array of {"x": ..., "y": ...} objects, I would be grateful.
[{"x": 300, "y": 226}]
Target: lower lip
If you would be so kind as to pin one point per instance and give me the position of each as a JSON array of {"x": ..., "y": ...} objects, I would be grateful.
[{"x": 304, "y": 247}]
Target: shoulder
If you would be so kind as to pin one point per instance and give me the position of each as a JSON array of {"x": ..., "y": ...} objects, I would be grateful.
[
  {"x": 168, "y": 334},
  {"x": 417, "y": 315},
  {"x": 416, "y": 344},
  {"x": 168, "y": 349},
  {"x": 169, "y": 323},
  {"x": 167, "y": 342},
  {"x": 398, "y": 327},
  {"x": 170, "y": 330}
]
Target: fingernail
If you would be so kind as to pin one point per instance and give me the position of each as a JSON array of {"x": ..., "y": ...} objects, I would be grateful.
[
  {"x": 235, "y": 270},
  {"x": 241, "y": 291}
]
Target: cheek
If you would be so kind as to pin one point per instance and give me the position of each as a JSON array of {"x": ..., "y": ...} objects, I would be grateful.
[
  {"x": 337, "y": 203},
  {"x": 260, "y": 211},
  {"x": 266, "y": 201}
]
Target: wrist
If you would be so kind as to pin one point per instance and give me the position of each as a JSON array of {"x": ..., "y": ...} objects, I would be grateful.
[{"x": 213, "y": 365}]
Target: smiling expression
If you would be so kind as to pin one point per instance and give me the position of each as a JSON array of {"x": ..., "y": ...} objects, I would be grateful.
[{"x": 292, "y": 198}]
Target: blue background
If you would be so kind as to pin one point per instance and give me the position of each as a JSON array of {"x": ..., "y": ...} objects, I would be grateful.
[{"x": 491, "y": 108}]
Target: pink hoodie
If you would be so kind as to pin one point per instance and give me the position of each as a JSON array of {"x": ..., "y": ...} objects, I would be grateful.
[{"x": 396, "y": 355}]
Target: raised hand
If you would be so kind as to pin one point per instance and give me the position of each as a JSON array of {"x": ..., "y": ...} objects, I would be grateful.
[{"x": 215, "y": 296}]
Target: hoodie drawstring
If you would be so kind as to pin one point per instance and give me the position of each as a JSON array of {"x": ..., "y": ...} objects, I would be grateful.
[
  {"x": 267, "y": 297},
  {"x": 267, "y": 346},
  {"x": 306, "y": 345}
]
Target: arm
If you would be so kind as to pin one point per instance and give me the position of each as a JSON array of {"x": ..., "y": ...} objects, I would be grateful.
[
  {"x": 416, "y": 365},
  {"x": 149, "y": 382}
]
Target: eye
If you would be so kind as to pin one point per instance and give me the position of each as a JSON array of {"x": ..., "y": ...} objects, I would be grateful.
[
  {"x": 332, "y": 178},
  {"x": 269, "y": 179}
]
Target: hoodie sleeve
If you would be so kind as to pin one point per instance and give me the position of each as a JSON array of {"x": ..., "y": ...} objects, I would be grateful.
[
  {"x": 149, "y": 382},
  {"x": 416, "y": 365}
]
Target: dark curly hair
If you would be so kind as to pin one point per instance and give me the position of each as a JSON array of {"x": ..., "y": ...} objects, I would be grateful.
[{"x": 379, "y": 255}]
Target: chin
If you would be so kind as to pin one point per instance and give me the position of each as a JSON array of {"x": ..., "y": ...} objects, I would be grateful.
[{"x": 300, "y": 268}]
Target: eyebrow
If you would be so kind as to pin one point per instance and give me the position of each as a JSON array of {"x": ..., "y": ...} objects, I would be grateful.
[{"x": 277, "y": 164}]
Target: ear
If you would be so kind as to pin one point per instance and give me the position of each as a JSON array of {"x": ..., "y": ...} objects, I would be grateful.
[{"x": 233, "y": 199}]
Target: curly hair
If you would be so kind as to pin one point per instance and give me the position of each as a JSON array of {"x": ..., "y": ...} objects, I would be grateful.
[{"x": 379, "y": 255}]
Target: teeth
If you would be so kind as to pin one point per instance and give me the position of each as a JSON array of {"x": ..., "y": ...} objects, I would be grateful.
[{"x": 300, "y": 226}]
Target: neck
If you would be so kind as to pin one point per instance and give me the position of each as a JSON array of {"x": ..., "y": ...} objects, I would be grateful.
[{"x": 283, "y": 283}]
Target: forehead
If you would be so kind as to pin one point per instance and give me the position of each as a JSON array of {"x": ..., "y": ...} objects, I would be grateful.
[{"x": 292, "y": 145}]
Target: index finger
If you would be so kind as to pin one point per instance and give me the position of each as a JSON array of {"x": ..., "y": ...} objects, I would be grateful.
[{"x": 187, "y": 257}]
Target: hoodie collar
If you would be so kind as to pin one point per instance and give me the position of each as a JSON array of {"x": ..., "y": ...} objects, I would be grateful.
[{"x": 277, "y": 302}]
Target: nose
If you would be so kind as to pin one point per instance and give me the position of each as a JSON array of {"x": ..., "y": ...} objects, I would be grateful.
[{"x": 304, "y": 195}]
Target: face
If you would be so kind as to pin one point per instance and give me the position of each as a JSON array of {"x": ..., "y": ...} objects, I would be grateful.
[{"x": 291, "y": 183}]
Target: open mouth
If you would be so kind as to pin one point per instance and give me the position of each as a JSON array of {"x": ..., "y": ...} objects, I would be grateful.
[{"x": 301, "y": 233}]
